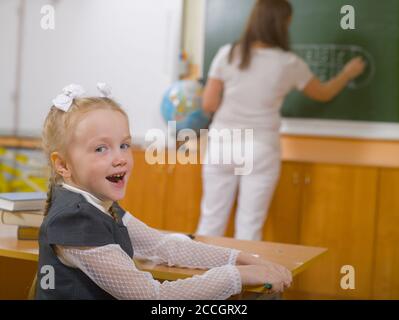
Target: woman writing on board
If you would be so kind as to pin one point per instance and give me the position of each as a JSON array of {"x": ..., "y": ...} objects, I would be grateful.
[{"x": 247, "y": 84}]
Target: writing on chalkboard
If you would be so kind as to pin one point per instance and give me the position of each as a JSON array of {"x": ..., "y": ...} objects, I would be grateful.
[{"x": 326, "y": 60}]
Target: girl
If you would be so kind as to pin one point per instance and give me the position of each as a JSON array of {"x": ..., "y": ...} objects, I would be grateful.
[
  {"x": 246, "y": 87},
  {"x": 89, "y": 241}
]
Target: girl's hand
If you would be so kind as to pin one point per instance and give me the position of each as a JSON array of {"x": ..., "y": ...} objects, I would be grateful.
[
  {"x": 354, "y": 67},
  {"x": 280, "y": 269},
  {"x": 257, "y": 275},
  {"x": 257, "y": 271}
]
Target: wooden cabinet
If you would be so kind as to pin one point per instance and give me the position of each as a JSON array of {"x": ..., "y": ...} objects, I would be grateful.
[
  {"x": 351, "y": 210},
  {"x": 183, "y": 194},
  {"x": 184, "y": 191},
  {"x": 338, "y": 212},
  {"x": 16, "y": 278},
  {"x": 282, "y": 223},
  {"x": 386, "y": 268},
  {"x": 165, "y": 196},
  {"x": 330, "y": 206},
  {"x": 146, "y": 191}
]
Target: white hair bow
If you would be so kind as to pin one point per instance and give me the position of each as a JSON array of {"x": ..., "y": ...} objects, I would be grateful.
[
  {"x": 64, "y": 101},
  {"x": 105, "y": 89}
]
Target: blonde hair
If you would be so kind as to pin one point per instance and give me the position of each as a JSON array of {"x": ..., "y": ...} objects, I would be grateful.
[{"x": 58, "y": 126}]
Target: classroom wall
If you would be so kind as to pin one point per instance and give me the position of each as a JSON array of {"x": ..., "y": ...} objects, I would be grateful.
[
  {"x": 132, "y": 45},
  {"x": 8, "y": 58}
]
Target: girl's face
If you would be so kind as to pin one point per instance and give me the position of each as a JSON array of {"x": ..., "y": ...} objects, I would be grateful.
[{"x": 99, "y": 159}]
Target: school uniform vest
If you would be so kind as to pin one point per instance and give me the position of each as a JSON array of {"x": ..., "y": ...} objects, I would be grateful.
[{"x": 72, "y": 221}]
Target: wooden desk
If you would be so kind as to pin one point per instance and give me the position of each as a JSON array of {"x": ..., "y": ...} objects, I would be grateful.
[{"x": 296, "y": 258}]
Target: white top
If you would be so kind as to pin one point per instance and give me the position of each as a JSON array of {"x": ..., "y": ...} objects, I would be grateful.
[
  {"x": 252, "y": 98},
  {"x": 116, "y": 273}
]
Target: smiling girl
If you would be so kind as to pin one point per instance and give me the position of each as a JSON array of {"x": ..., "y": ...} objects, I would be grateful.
[{"x": 90, "y": 241}]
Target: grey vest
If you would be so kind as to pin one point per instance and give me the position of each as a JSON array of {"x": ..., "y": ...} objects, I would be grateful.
[{"x": 72, "y": 221}]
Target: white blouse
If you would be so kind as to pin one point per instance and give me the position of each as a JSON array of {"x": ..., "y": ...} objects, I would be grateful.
[
  {"x": 252, "y": 98},
  {"x": 116, "y": 273}
]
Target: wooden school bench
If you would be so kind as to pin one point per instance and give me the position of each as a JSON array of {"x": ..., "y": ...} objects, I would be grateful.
[{"x": 296, "y": 258}]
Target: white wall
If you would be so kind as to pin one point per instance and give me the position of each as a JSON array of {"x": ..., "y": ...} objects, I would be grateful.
[
  {"x": 8, "y": 58},
  {"x": 131, "y": 44}
]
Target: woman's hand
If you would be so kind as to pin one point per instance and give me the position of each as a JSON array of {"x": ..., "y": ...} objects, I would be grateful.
[
  {"x": 325, "y": 92},
  {"x": 354, "y": 67}
]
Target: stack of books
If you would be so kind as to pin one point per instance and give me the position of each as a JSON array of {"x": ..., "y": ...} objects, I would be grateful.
[{"x": 25, "y": 210}]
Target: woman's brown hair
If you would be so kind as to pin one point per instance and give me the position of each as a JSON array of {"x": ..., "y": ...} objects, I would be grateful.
[{"x": 268, "y": 24}]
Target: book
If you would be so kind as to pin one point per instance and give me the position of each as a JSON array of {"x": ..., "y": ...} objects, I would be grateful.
[
  {"x": 18, "y": 201},
  {"x": 27, "y": 233},
  {"x": 22, "y": 218}
]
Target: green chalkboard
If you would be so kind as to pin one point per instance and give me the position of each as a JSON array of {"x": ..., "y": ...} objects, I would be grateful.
[{"x": 317, "y": 36}]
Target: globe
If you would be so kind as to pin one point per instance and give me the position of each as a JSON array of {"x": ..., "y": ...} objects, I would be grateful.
[{"x": 182, "y": 103}]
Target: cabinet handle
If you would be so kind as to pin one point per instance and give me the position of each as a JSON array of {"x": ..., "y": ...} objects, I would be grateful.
[{"x": 295, "y": 178}]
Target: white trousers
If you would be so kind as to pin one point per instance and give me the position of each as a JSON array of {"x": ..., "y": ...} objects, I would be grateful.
[{"x": 255, "y": 191}]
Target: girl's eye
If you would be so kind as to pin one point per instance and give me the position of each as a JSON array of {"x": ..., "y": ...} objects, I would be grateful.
[
  {"x": 101, "y": 149},
  {"x": 125, "y": 146}
]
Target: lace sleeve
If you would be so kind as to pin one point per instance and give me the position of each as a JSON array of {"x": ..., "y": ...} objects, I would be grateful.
[
  {"x": 159, "y": 247},
  {"x": 113, "y": 270}
]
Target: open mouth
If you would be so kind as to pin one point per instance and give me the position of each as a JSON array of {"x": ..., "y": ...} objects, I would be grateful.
[{"x": 115, "y": 178}]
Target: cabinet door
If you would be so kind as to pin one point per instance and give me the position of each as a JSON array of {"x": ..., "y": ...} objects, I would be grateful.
[
  {"x": 282, "y": 223},
  {"x": 16, "y": 277},
  {"x": 338, "y": 212},
  {"x": 386, "y": 272},
  {"x": 184, "y": 191},
  {"x": 146, "y": 191}
]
